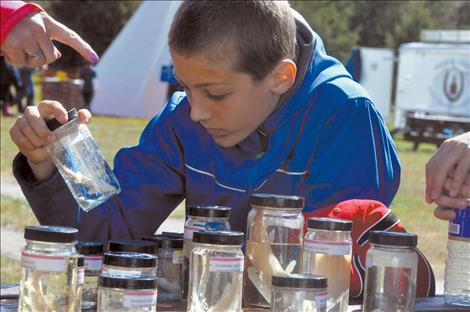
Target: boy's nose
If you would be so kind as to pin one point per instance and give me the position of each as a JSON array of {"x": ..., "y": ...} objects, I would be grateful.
[{"x": 199, "y": 111}]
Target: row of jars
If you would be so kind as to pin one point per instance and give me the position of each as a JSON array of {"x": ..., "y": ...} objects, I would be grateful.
[{"x": 212, "y": 264}]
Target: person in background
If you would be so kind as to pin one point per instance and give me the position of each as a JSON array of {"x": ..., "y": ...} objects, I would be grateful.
[
  {"x": 10, "y": 77},
  {"x": 448, "y": 177},
  {"x": 26, "y": 35},
  {"x": 88, "y": 89},
  {"x": 26, "y": 89}
]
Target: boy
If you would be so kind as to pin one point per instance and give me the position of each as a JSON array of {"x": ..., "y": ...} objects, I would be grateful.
[{"x": 265, "y": 110}]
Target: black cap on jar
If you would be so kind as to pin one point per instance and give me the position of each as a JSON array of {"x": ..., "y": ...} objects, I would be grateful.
[
  {"x": 299, "y": 281},
  {"x": 219, "y": 237},
  {"x": 172, "y": 243},
  {"x": 129, "y": 245},
  {"x": 130, "y": 259},
  {"x": 81, "y": 261},
  {"x": 393, "y": 238},
  {"x": 53, "y": 123},
  {"x": 89, "y": 248},
  {"x": 329, "y": 224},
  {"x": 128, "y": 282},
  {"x": 173, "y": 235},
  {"x": 208, "y": 211},
  {"x": 277, "y": 201},
  {"x": 51, "y": 233}
]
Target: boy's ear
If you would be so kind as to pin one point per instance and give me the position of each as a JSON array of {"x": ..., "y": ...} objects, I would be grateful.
[{"x": 283, "y": 76}]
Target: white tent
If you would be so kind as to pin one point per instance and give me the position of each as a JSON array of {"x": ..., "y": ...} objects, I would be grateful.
[{"x": 128, "y": 74}]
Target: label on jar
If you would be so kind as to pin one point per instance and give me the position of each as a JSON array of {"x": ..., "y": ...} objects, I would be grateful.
[
  {"x": 178, "y": 257},
  {"x": 47, "y": 263},
  {"x": 460, "y": 227},
  {"x": 232, "y": 264},
  {"x": 140, "y": 299},
  {"x": 80, "y": 276},
  {"x": 330, "y": 248},
  {"x": 93, "y": 263},
  {"x": 190, "y": 229},
  {"x": 121, "y": 272}
]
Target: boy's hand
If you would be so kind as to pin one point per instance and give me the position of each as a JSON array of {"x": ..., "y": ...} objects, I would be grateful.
[
  {"x": 461, "y": 201},
  {"x": 31, "y": 135}
]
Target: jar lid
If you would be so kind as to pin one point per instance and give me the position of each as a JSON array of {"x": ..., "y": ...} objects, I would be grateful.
[
  {"x": 172, "y": 243},
  {"x": 89, "y": 248},
  {"x": 130, "y": 259},
  {"x": 128, "y": 282},
  {"x": 300, "y": 281},
  {"x": 173, "y": 234},
  {"x": 51, "y": 233},
  {"x": 277, "y": 201},
  {"x": 157, "y": 239},
  {"x": 53, "y": 123},
  {"x": 329, "y": 224},
  {"x": 81, "y": 261},
  {"x": 393, "y": 238},
  {"x": 209, "y": 211},
  {"x": 130, "y": 245},
  {"x": 219, "y": 237}
]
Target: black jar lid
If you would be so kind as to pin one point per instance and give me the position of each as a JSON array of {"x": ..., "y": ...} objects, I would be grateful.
[
  {"x": 219, "y": 237},
  {"x": 51, "y": 233},
  {"x": 393, "y": 238},
  {"x": 157, "y": 239},
  {"x": 209, "y": 211},
  {"x": 130, "y": 259},
  {"x": 53, "y": 123},
  {"x": 81, "y": 261},
  {"x": 172, "y": 243},
  {"x": 128, "y": 282},
  {"x": 329, "y": 224},
  {"x": 277, "y": 201},
  {"x": 173, "y": 234},
  {"x": 89, "y": 248},
  {"x": 300, "y": 281},
  {"x": 130, "y": 245}
]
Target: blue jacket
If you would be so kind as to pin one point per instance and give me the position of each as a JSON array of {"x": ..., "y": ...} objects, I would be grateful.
[{"x": 326, "y": 142}]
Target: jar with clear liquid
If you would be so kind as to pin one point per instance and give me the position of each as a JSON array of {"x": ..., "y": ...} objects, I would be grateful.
[
  {"x": 327, "y": 252},
  {"x": 392, "y": 266},
  {"x": 81, "y": 163},
  {"x": 199, "y": 218},
  {"x": 274, "y": 244},
  {"x": 299, "y": 292},
  {"x": 93, "y": 257},
  {"x": 129, "y": 264},
  {"x": 127, "y": 294},
  {"x": 457, "y": 275},
  {"x": 50, "y": 279},
  {"x": 216, "y": 274},
  {"x": 169, "y": 270}
]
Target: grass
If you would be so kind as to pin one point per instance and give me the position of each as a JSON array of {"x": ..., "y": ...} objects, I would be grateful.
[
  {"x": 16, "y": 213},
  {"x": 10, "y": 271}
]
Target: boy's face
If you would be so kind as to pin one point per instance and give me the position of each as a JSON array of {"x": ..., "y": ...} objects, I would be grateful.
[{"x": 229, "y": 104}]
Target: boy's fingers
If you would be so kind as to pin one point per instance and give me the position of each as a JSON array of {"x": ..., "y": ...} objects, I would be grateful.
[
  {"x": 69, "y": 37},
  {"x": 53, "y": 109},
  {"x": 460, "y": 174},
  {"x": 439, "y": 175},
  {"x": 444, "y": 213},
  {"x": 38, "y": 126},
  {"x": 84, "y": 115},
  {"x": 452, "y": 202}
]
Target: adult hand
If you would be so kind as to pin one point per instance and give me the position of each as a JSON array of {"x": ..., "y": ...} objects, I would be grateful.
[
  {"x": 31, "y": 135},
  {"x": 29, "y": 43},
  {"x": 460, "y": 201}
]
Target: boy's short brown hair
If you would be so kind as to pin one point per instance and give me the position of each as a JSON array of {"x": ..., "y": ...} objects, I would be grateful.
[{"x": 253, "y": 34}]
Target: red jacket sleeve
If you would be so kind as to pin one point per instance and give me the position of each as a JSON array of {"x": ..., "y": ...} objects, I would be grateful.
[
  {"x": 11, "y": 12},
  {"x": 367, "y": 216}
]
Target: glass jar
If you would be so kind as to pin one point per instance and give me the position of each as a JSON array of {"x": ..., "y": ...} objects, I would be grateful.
[
  {"x": 80, "y": 281},
  {"x": 392, "y": 265},
  {"x": 274, "y": 243},
  {"x": 299, "y": 292},
  {"x": 127, "y": 294},
  {"x": 129, "y": 264},
  {"x": 81, "y": 163},
  {"x": 129, "y": 245},
  {"x": 327, "y": 252},
  {"x": 49, "y": 270},
  {"x": 93, "y": 254},
  {"x": 216, "y": 274},
  {"x": 169, "y": 272},
  {"x": 198, "y": 218}
]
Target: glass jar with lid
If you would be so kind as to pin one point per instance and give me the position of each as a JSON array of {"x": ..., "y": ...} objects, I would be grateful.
[
  {"x": 216, "y": 274},
  {"x": 130, "y": 245},
  {"x": 127, "y": 294},
  {"x": 327, "y": 252},
  {"x": 129, "y": 264},
  {"x": 93, "y": 254},
  {"x": 199, "y": 218},
  {"x": 49, "y": 270},
  {"x": 392, "y": 266},
  {"x": 299, "y": 292},
  {"x": 274, "y": 243},
  {"x": 169, "y": 272}
]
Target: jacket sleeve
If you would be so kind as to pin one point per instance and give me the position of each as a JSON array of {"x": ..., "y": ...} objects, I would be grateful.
[
  {"x": 152, "y": 185},
  {"x": 11, "y": 12}
]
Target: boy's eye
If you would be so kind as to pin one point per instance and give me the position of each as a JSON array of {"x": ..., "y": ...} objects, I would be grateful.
[{"x": 215, "y": 97}]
